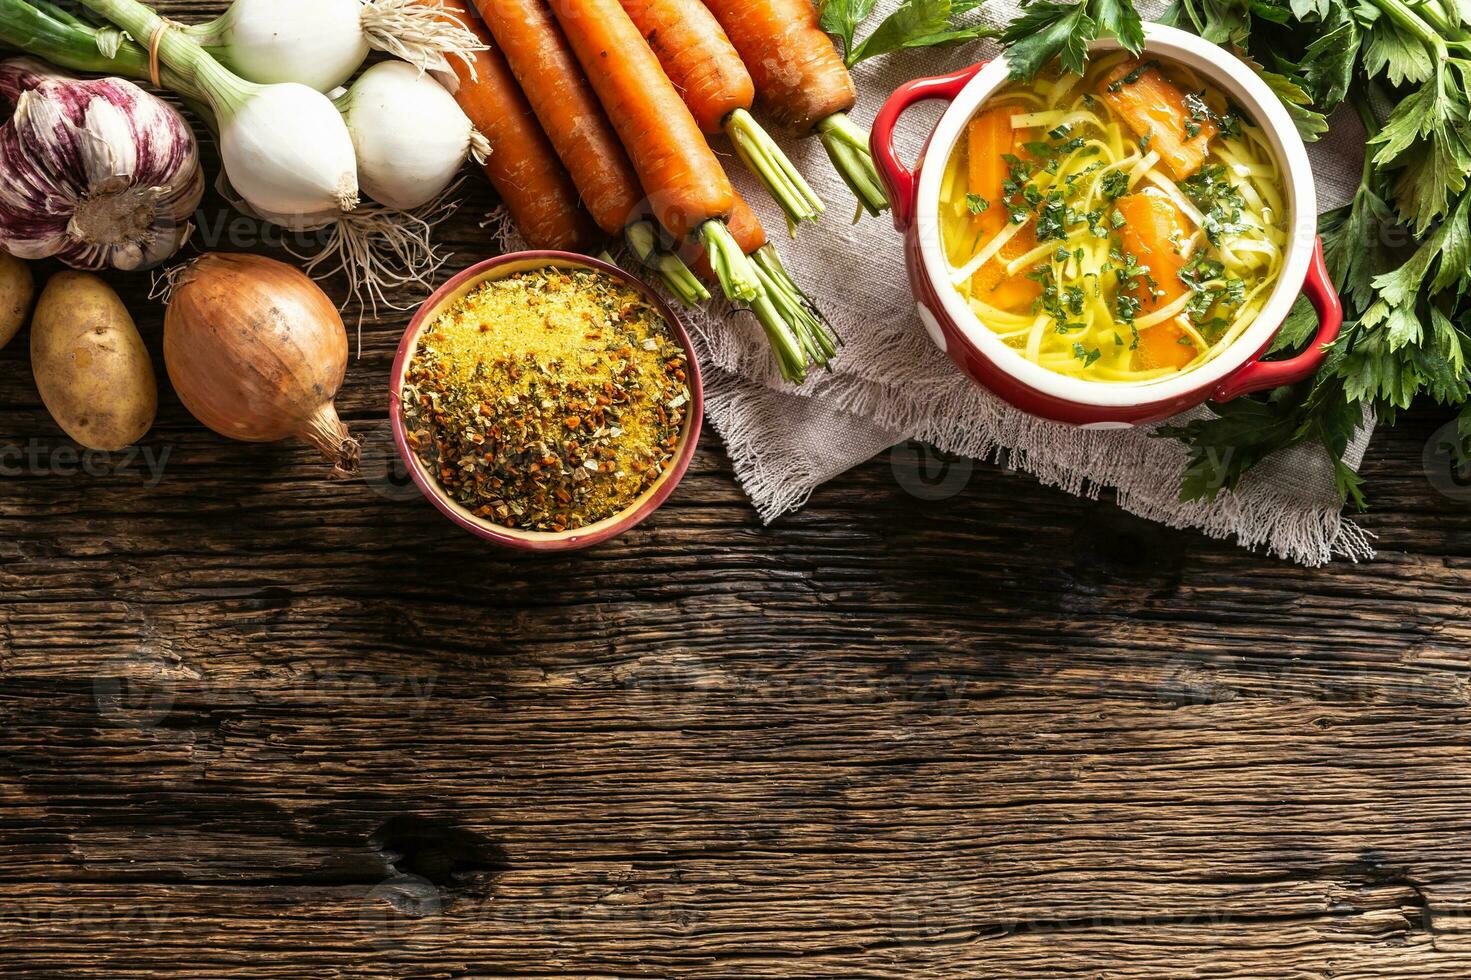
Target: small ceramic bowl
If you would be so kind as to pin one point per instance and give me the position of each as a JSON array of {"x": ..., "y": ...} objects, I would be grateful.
[
  {"x": 1236, "y": 371},
  {"x": 572, "y": 540}
]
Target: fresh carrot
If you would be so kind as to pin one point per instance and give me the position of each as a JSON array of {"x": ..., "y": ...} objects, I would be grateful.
[
  {"x": 531, "y": 42},
  {"x": 679, "y": 171},
  {"x": 1154, "y": 108},
  {"x": 707, "y": 70},
  {"x": 522, "y": 165},
  {"x": 1153, "y": 235},
  {"x": 687, "y": 188},
  {"x": 745, "y": 226},
  {"x": 802, "y": 83},
  {"x": 800, "y": 77}
]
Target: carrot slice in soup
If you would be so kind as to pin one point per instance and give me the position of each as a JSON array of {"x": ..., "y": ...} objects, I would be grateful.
[
  {"x": 994, "y": 287},
  {"x": 1153, "y": 233},
  {"x": 1154, "y": 107},
  {"x": 1164, "y": 346},
  {"x": 990, "y": 139}
]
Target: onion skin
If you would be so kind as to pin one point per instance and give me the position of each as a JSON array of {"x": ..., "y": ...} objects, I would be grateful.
[{"x": 257, "y": 352}]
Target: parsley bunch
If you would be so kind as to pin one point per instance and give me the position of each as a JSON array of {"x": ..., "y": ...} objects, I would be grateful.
[{"x": 1400, "y": 253}]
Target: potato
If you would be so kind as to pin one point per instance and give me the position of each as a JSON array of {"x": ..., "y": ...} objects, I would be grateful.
[
  {"x": 17, "y": 289},
  {"x": 91, "y": 367}
]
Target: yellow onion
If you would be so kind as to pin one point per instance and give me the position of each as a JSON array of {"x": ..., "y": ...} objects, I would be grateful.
[{"x": 257, "y": 352}]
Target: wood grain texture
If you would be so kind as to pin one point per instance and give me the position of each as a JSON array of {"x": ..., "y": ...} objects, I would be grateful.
[{"x": 255, "y": 724}]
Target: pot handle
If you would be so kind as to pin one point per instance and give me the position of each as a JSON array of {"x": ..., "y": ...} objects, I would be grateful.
[
  {"x": 898, "y": 178},
  {"x": 1266, "y": 375}
]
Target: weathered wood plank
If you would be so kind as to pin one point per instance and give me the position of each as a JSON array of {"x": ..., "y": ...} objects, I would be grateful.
[{"x": 254, "y": 724}]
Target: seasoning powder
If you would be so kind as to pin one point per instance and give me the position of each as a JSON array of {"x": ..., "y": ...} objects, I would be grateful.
[{"x": 549, "y": 400}]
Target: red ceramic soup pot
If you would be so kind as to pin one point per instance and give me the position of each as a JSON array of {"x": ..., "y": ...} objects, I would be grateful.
[
  {"x": 575, "y": 540},
  {"x": 1231, "y": 373}
]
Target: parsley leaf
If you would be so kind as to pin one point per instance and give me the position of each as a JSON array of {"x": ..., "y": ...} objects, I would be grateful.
[
  {"x": 1311, "y": 125},
  {"x": 1218, "y": 21},
  {"x": 1047, "y": 29},
  {"x": 1114, "y": 184},
  {"x": 1327, "y": 65},
  {"x": 842, "y": 17},
  {"x": 915, "y": 24}
]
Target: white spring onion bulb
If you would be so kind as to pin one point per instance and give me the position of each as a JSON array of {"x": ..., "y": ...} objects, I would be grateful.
[
  {"x": 411, "y": 136},
  {"x": 285, "y": 147},
  {"x": 321, "y": 43},
  {"x": 288, "y": 153}
]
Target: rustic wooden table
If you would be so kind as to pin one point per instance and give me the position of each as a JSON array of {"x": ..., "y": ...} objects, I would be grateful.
[{"x": 255, "y": 724}]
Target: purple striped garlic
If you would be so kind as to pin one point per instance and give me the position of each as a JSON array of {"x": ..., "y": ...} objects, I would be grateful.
[{"x": 98, "y": 173}]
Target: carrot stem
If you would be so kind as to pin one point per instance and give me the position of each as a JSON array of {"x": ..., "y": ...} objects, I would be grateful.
[
  {"x": 791, "y": 353},
  {"x": 643, "y": 239},
  {"x": 847, "y": 147},
  {"x": 770, "y": 165},
  {"x": 736, "y": 276},
  {"x": 817, "y": 335}
]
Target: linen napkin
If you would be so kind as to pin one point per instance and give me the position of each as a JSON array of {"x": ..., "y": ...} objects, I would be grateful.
[{"x": 892, "y": 384}]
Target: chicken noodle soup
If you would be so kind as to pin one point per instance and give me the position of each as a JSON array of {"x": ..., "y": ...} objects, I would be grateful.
[{"x": 1125, "y": 225}]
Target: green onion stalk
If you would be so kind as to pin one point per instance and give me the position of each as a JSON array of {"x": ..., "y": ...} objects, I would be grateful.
[
  {"x": 45, "y": 30},
  {"x": 847, "y": 147}
]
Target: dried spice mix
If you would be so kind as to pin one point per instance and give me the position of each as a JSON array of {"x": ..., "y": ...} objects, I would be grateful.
[{"x": 549, "y": 400}]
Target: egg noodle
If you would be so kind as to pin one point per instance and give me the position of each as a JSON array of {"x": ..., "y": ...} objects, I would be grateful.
[{"x": 1139, "y": 225}]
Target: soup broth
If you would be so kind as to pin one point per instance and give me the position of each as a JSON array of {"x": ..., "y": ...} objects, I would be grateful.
[{"x": 1121, "y": 226}]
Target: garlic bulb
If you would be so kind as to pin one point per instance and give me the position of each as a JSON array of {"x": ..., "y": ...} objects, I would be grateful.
[{"x": 98, "y": 173}]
